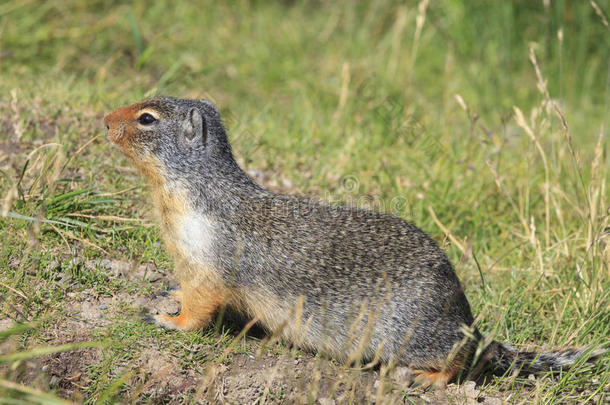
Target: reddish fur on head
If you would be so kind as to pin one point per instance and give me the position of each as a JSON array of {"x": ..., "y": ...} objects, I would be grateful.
[
  {"x": 122, "y": 125},
  {"x": 123, "y": 128}
]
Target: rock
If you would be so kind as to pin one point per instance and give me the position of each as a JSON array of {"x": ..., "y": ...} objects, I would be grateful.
[
  {"x": 470, "y": 390},
  {"x": 104, "y": 263},
  {"x": 153, "y": 277},
  {"x": 119, "y": 267},
  {"x": 402, "y": 375}
]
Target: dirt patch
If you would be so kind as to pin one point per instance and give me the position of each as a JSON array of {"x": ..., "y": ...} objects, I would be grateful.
[
  {"x": 66, "y": 373},
  {"x": 162, "y": 377},
  {"x": 306, "y": 379},
  {"x": 130, "y": 270},
  {"x": 6, "y": 324},
  {"x": 283, "y": 378}
]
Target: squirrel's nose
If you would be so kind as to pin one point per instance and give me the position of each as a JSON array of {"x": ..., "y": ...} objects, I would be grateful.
[{"x": 106, "y": 124}]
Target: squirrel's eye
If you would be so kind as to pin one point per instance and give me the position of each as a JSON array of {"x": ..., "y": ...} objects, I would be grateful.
[{"x": 146, "y": 119}]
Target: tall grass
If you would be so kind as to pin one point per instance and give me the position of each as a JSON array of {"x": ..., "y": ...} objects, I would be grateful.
[{"x": 485, "y": 124}]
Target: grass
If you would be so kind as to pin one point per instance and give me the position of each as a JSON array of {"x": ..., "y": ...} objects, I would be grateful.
[{"x": 485, "y": 125}]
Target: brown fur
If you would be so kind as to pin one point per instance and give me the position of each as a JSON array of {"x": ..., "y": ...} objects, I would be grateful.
[
  {"x": 198, "y": 303},
  {"x": 120, "y": 126},
  {"x": 357, "y": 284}
]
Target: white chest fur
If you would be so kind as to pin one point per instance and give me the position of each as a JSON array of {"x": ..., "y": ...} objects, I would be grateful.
[{"x": 195, "y": 233}]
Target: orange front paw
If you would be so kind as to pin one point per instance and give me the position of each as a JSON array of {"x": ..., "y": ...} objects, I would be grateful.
[
  {"x": 198, "y": 307},
  {"x": 180, "y": 322}
]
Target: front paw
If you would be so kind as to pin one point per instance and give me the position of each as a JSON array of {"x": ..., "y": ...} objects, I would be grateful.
[
  {"x": 162, "y": 321},
  {"x": 184, "y": 322}
]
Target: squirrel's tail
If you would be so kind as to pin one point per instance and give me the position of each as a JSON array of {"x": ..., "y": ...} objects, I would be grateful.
[{"x": 501, "y": 359}]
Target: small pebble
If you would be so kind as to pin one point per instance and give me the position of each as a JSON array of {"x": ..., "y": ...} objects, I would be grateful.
[
  {"x": 105, "y": 264},
  {"x": 103, "y": 306}
]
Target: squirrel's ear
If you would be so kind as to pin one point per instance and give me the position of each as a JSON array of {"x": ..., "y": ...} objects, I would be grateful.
[{"x": 194, "y": 125}]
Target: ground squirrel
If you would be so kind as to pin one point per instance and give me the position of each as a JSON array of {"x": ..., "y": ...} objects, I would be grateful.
[{"x": 356, "y": 284}]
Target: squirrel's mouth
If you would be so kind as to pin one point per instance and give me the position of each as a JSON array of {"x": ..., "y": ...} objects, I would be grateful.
[
  {"x": 115, "y": 134},
  {"x": 118, "y": 136},
  {"x": 113, "y": 138},
  {"x": 117, "y": 130}
]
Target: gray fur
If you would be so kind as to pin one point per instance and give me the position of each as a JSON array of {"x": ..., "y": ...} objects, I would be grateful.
[
  {"x": 502, "y": 359},
  {"x": 335, "y": 257}
]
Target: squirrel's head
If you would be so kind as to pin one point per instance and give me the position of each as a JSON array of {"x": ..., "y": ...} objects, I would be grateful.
[{"x": 169, "y": 134}]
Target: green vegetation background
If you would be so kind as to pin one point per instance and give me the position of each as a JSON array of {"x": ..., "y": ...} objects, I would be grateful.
[{"x": 449, "y": 114}]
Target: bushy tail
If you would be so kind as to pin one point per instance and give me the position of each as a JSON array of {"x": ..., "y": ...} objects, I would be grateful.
[{"x": 503, "y": 359}]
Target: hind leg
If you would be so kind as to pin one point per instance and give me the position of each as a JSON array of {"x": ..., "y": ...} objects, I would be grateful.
[
  {"x": 435, "y": 378},
  {"x": 437, "y": 374}
]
